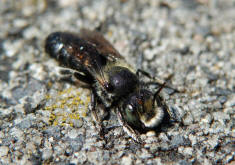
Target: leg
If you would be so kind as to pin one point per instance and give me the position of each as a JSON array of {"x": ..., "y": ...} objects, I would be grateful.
[
  {"x": 98, "y": 121},
  {"x": 93, "y": 106},
  {"x": 162, "y": 85},
  {"x": 73, "y": 76},
  {"x": 170, "y": 113},
  {"x": 155, "y": 83},
  {"x": 84, "y": 78},
  {"x": 140, "y": 71},
  {"x": 130, "y": 131},
  {"x": 66, "y": 75}
]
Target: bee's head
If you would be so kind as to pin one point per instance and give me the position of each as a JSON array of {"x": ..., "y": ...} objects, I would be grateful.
[
  {"x": 140, "y": 110},
  {"x": 53, "y": 44}
]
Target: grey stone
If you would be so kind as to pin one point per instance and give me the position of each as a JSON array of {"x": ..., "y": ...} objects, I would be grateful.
[
  {"x": 184, "y": 162},
  {"x": 191, "y": 40},
  {"x": 46, "y": 154},
  {"x": 222, "y": 99},
  {"x": 76, "y": 144},
  {"x": 53, "y": 131},
  {"x": 179, "y": 140},
  {"x": 128, "y": 160},
  {"x": 32, "y": 86},
  {"x": 221, "y": 116},
  {"x": 3, "y": 151}
]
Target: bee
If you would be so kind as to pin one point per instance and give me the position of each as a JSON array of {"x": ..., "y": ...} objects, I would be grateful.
[{"x": 113, "y": 82}]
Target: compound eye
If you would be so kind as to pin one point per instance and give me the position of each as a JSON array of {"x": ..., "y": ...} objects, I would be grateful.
[
  {"x": 108, "y": 87},
  {"x": 130, "y": 108}
]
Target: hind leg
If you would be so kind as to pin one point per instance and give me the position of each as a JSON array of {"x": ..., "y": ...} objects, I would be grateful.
[{"x": 75, "y": 78}]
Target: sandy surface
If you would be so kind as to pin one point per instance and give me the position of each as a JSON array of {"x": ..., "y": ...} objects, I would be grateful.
[{"x": 45, "y": 119}]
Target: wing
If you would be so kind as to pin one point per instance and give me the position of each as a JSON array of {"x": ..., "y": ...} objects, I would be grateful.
[
  {"x": 102, "y": 45},
  {"x": 76, "y": 53}
]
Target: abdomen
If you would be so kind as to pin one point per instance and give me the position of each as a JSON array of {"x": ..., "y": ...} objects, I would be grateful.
[{"x": 73, "y": 52}]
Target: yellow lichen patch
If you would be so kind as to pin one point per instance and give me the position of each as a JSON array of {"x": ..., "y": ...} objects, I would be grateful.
[
  {"x": 67, "y": 107},
  {"x": 110, "y": 33},
  {"x": 87, "y": 102},
  {"x": 48, "y": 97},
  {"x": 66, "y": 91},
  {"x": 74, "y": 116}
]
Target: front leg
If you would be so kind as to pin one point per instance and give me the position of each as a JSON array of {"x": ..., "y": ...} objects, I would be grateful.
[
  {"x": 140, "y": 71},
  {"x": 162, "y": 85},
  {"x": 153, "y": 81},
  {"x": 130, "y": 131}
]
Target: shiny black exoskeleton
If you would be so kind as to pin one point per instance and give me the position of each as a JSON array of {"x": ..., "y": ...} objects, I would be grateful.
[{"x": 113, "y": 81}]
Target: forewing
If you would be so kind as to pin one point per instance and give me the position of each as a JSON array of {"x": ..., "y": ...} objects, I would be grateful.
[
  {"x": 102, "y": 45},
  {"x": 76, "y": 53}
]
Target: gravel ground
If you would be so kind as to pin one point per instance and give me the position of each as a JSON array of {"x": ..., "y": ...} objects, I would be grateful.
[{"x": 46, "y": 119}]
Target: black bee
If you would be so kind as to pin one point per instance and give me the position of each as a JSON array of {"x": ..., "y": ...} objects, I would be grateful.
[{"x": 113, "y": 81}]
